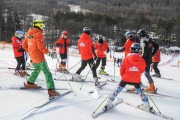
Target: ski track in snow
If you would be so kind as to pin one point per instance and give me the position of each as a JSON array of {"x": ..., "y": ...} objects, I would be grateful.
[{"x": 14, "y": 103}]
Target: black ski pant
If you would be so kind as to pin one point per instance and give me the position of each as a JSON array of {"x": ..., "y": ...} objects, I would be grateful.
[
  {"x": 20, "y": 63},
  {"x": 91, "y": 65},
  {"x": 103, "y": 64},
  {"x": 156, "y": 70},
  {"x": 63, "y": 58}
]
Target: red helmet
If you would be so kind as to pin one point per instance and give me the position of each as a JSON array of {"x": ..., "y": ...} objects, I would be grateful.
[{"x": 64, "y": 33}]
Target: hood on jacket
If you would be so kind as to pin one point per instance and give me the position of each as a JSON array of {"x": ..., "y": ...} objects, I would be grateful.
[
  {"x": 32, "y": 31},
  {"x": 134, "y": 59}
]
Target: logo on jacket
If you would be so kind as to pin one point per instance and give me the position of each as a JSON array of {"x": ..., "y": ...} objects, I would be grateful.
[
  {"x": 133, "y": 69},
  {"x": 82, "y": 44}
]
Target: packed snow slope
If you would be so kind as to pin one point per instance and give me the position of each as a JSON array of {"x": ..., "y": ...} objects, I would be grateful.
[{"x": 79, "y": 105}]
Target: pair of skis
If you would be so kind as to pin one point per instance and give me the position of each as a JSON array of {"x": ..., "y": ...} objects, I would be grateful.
[{"x": 119, "y": 100}]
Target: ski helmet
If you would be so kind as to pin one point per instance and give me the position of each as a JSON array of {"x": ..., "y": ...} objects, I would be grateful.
[
  {"x": 128, "y": 33},
  {"x": 135, "y": 48},
  {"x": 142, "y": 33},
  {"x": 87, "y": 30},
  {"x": 64, "y": 33},
  {"x": 39, "y": 24},
  {"x": 19, "y": 34},
  {"x": 100, "y": 41}
]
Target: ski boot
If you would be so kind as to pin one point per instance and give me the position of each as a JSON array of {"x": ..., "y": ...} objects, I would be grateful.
[
  {"x": 97, "y": 84},
  {"x": 19, "y": 73},
  {"x": 102, "y": 72},
  {"x": 157, "y": 75},
  {"x": 29, "y": 85},
  {"x": 145, "y": 106},
  {"x": 108, "y": 104},
  {"x": 150, "y": 88},
  {"x": 76, "y": 77},
  {"x": 53, "y": 94}
]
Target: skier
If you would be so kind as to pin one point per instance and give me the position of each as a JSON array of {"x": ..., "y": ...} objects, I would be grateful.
[
  {"x": 19, "y": 53},
  {"x": 133, "y": 65},
  {"x": 155, "y": 61},
  {"x": 149, "y": 48},
  {"x": 34, "y": 45},
  {"x": 63, "y": 43},
  {"x": 130, "y": 40},
  {"x": 102, "y": 49},
  {"x": 120, "y": 61},
  {"x": 86, "y": 49}
]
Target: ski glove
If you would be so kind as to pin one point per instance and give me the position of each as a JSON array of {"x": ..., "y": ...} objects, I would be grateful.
[
  {"x": 59, "y": 45},
  {"x": 69, "y": 45},
  {"x": 20, "y": 50}
]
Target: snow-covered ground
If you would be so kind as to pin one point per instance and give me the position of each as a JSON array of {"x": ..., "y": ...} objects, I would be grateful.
[{"x": 80, "y": 105}]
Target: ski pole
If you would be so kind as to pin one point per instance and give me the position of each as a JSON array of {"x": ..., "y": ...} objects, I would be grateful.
[
  {"x": 57, "y": 64},
  {"x": 154, "y": 103},
  {"x": 87, "y": 74},
  {"x": 69, "y": 84}
]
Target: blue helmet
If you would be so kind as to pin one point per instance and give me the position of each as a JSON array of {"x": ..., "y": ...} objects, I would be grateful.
[
  {"x": 128, "y": 33},
  {"x": 19, "y": 34}
]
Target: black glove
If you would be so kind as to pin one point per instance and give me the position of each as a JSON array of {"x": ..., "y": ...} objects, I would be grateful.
[{"x": 20, "y": 50}]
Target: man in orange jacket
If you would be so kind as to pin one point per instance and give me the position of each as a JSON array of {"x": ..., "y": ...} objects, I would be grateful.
[
  {"x": 19, "y": 53},
  {"x": 86, "y": 49},
  {"x": 155, "y": 61},
  {"x": 133, "y": 65},
  {"x": 34, "y": 45},
  {"x": 63, "y": 43},
  {"x": 102, "y": 49}
]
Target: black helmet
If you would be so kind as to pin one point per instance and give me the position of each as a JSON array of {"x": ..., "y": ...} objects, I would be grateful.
[
  {"x": 87, "y": 30},
  {"x": 142, "y": 33},
  {"x": 100, "y": 41},
  {"x": 135, "y": 48}
]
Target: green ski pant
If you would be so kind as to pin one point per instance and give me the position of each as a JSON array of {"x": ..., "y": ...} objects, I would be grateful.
[{"x": 48, "y": 76}]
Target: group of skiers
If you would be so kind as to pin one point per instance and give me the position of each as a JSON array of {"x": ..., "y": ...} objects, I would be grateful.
[{"x": 137, "y": 60}]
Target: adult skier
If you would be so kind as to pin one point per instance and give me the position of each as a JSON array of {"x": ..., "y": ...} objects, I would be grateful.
[
  {"x": 149, "y": 48},
  {"x": 34, "y": 45},
  {"x": 19, "y": 53},
  {"x": 86, "y": 49},
  {"x": 133, "y": 65},
  {"x": 102, "y": 49},
  {"x": 63, "y": 43}
]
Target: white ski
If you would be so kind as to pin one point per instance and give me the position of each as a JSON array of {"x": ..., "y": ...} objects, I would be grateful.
[
  {"x": 151, "y": 110},
  {"x": 104, "y": 109},
  {"x": 42, "y": 105}
]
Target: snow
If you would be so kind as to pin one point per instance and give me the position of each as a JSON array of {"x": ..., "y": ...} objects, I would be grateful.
[{"x": 80, "y": 105}]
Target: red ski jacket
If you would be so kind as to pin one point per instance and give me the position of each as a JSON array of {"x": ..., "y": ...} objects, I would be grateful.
[
  {"x": 127, "y": 46},
  {"x": 156, "y": 57},
  {"x": 85, "y": 45},
  {"x": 101, "y": 49},
  {"x": 61, "y": 44},
  {"x": 133, "y": 65},
  {"x": 16, "y": 44}
]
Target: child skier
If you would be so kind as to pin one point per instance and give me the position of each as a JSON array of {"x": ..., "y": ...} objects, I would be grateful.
[
  {"x": 102, "y": 49},
  {"x": 133, "y": 65},
  {"x": 19, "y": 53},
  {"x": 63, "y": 43}
]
